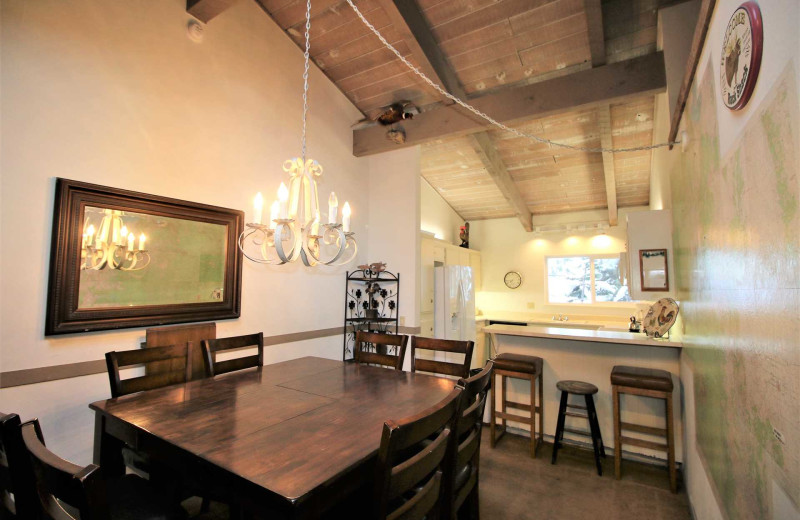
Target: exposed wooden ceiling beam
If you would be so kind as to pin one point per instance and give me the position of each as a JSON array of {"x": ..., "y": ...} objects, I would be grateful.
[
  {"x": 486, "y": 150},
  {"x": 594, "y": 26},
  {"x": 205, "y": 10},
  {"x": 407, "y": 18},
  {"x": 614, "y": 83},
  {"x": 698, "y": 41},
  {"x": 604, "y": 124}
]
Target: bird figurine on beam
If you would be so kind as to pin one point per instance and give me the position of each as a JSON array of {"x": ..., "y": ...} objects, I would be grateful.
[{"x": 391, "y": 114}]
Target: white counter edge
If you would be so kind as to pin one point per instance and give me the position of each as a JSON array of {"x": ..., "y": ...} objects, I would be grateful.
[{"x": 597, "y": 336}]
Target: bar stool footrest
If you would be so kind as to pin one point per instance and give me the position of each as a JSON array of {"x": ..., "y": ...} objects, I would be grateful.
[
  {"x": 650, "y": 430},
  {"x": 520, "y": 406},
  {"x": 643, "y": 443},
  {"x": 574, "y": 414},
  {"x": 514, "y": 417},
  {"x": 578, "y": 432}
]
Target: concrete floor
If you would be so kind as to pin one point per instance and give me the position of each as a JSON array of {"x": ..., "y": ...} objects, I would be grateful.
[{"x": 514, "y": 486}]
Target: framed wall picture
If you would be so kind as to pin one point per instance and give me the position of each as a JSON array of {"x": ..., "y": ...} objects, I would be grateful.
[
  {"x": 122, "y": 259},
  {"x": 653, "y": 269}
]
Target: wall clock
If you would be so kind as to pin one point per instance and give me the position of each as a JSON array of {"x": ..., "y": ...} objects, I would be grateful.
[
  {"x": 741, "y": 55},
  {"x": 512, "y": 279}
]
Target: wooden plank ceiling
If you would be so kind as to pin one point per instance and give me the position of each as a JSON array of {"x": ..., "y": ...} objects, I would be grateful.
[{"x": 483, "y": 47}]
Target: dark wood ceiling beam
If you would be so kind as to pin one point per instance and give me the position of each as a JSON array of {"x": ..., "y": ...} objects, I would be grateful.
[
  {"x": 594, "y": 26},
  {"x": 205, "y": 10},
  {"x": 407, "y": 18},
  {"x": 604, "y": 125},
  {"x": 614, "y": 83}
]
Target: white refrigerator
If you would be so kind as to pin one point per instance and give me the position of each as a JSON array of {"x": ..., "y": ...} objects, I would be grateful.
[{"x": 454, "y": 303}]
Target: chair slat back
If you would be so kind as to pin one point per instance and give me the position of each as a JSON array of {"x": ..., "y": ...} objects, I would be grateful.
[
  {"x": 441, "y": 345},
  {"x": 468, "y": 436},
  {"x": 16, "y": 472},
  {"x": 129, "y": 358},
  {"x": 381, "y": 355},
  {"x": 413, "y": 461},
  {"x": 82, "y": 488},
  {"x": 212, "y": 346}
]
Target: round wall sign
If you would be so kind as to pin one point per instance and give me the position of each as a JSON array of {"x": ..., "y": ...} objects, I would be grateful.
[
  {"x": 512, "y": 279},
  {"x": 741, "y": 55}
]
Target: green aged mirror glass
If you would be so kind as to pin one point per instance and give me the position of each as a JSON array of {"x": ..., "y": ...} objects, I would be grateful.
[{"x": 124, "y": 259}]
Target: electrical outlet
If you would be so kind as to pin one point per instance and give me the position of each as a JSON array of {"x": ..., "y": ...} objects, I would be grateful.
[
  {"x": 778, "y": 435},
  {"x": 531, "y": 305},
  {"x": 402, "y": 321}
]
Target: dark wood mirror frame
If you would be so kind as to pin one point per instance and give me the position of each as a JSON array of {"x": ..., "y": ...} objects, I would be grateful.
[{"x": 63, "y": 313}]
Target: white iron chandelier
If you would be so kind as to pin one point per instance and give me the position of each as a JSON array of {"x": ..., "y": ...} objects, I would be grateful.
[{"x": 295, "y": 229}]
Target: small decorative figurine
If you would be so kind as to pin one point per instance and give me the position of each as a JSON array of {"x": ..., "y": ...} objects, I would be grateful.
[{"x": 464, "y": 235}]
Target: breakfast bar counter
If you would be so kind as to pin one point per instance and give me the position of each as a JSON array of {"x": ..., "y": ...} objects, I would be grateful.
[
  {"x": 590, "y": 355},
  {"x": 578, "y": 334}
]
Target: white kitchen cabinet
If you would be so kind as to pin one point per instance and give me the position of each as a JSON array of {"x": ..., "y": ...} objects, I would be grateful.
[
  {"x": 475, "y": 264},
  {"x": 650, "y": 229}
]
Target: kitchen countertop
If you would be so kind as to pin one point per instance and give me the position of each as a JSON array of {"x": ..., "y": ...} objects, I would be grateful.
[{"x": 597, "y": 336}]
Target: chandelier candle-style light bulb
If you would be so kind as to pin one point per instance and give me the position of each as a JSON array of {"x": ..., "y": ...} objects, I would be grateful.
[
  {"x": 333, "y": 208},
  {"x": 315, "y": 225},
  {"x": 142, "y": 238},
  {"x": 258, "y": 208},
  {"x": 283, "y": 198},
  {"x": 89, "y": 235},
  {"x": 131, "y": 239},
  {"x": 296, "y": 230},
  {"x": 346, "y": 217},
  {"x": 274, "y": 210}
]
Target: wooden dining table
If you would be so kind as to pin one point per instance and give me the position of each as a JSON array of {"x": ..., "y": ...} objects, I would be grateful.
[{"x": 291, "y": 438}]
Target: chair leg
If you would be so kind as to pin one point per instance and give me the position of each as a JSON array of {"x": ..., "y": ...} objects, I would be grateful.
[
  {"x": 673, "y": 480},
  {"x": 504, "y": 400},
  {"x": 594, "y": 427},
  {"x": 562, "y": 409},
  {"x": 494, "y": 420},
  {"x": 541, "y": 409},
  {"x": 533, "y": 418},
  {"x": 617, "y": 434},
  {"x": 470, "y": 509}
]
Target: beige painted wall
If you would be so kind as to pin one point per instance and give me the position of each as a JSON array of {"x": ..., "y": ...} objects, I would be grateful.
[
  {"x": 115, "y": 93},
  {"x": 394, "y": 223},
  {"x": 437, "y": 216},
  {"x": 740, "y": 307},
  {"x": 506, "y": 246}
]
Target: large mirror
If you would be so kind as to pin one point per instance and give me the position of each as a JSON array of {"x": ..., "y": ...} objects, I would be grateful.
[{"x": 125, "y": 259}]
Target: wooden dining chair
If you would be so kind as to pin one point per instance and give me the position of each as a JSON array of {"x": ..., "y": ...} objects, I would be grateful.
[
  {"x": 446, "y": 346},
  {"x": 213, "y": 346},
  {"x": 130, "y": 358},
  {"x": 17, "y": 492},
  {"x": 413, "y": 462},
  {"x": 178, "y": 355},
  {"x": 383, "y": 344},
  {"x": 84, "y": 489},
  {"x": 462, "y": 490}
]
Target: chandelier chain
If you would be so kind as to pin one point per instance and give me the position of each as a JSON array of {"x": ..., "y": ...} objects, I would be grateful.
[
  {"x": 485, "y": 116},
  {"x": 306, "y": 55}
]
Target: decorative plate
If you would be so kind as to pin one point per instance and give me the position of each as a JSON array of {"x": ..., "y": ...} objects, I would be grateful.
[
  {"x": 741, "y": 55},
  {"x": 660, "y": 317},
  {"x": 512, "y": 279}
]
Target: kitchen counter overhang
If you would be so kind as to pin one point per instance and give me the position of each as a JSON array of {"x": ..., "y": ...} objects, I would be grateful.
[{"x": 574, "y": 334}]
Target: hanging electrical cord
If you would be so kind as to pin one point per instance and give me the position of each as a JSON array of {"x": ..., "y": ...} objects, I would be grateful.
[{"x": 490, "y": 119}]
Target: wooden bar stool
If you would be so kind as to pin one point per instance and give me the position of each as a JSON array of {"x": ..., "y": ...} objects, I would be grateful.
[
  {"x": 587, "y": 390},
  {"x": 519, "y": 367},
  {"x": 646, "y": 382}
]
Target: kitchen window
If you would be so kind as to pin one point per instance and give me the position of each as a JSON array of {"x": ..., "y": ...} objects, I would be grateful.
[{"x": 585, "y": 279}]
